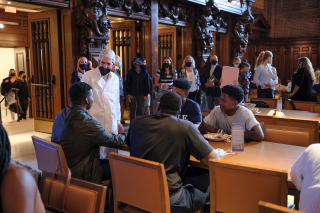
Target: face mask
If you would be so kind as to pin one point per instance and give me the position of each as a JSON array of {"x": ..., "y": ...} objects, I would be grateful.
[
  {"x": 248, "y": 74},
  {"x": 270, "y": 62},
  {"x": 83, "y": 66},
  {"x": 12, "y": 74},
  {"x": 120, "y": 64},
  {"x": 165, "y": 65},
  {"x": 236, "y": 65},
  {"x": 24, "y": 77},
  {"x": 242, "y": 74},
  {"x": 144, "y": 66},
  {"x": 136, "y": 65},
  {"x": 298, "y": 66},
  {"x": 188, "y": 64},
  {"x": 104, "y": 71},
  {"x": 214, "y": 62}
]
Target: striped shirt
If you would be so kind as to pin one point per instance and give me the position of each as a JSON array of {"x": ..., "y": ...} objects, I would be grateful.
[{"x": 168, "y": 80}]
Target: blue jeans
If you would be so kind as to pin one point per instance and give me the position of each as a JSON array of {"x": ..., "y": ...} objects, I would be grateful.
[
  {"x": 264, "y": 93},
  {"x": 204, "y": 101}
]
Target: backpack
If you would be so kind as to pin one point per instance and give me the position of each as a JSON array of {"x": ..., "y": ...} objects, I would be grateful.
[{"x": 260, "y": 104}]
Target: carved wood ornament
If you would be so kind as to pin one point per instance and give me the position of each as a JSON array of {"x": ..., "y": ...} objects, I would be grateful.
[
  {"x": 130, "y": 5},
  {"x": 241, "y": 32},
  {"x": 205, "y": 17},
  {"x": 94, "y": 25},
  {"x": 174, "y": 12}
]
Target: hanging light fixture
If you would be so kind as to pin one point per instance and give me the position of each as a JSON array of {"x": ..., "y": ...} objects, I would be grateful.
[
  {"x": 234, "y": 1},
  {"x": 238, "y": 2},
  {"x": 1, "y": 25}
]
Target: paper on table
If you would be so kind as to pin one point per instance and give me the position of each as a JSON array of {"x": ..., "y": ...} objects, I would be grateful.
[{"x": 229, "y": 75}]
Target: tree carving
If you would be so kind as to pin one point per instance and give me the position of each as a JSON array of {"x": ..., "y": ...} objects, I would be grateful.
[
  {"x": 240, "y": 33},
  {"x": 174, "y": 12},
  {"x": 206, "y": 17},
  {"x": 94, "y": 24}
]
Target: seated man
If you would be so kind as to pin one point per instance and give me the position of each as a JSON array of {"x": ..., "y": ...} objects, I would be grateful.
[
  {"x": 229, "y": 112},
  {"x": 166, "y": 139},
  {"x": 80, "y": 136},
  {"x": 305, "y": 174},
  {"x": 190, "y": 110}
]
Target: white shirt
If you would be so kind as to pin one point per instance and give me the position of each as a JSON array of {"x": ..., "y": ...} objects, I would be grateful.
[
  {"x": 192, "y": 79},
  {"x": 305, "y": 175},
  {"x": 106, "y": 105},
  {"x": 223, "y": 121},
  {"x": 213, "y": 67},
  {"x": 263, "y": 75},
  {"x": 274, "y": 71}
]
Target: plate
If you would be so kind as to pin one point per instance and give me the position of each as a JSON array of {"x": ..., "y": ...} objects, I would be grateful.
[{"x": 207, "y": 136}]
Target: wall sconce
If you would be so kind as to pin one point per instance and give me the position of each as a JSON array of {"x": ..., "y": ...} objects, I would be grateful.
[{"x": 1, "y": 25}]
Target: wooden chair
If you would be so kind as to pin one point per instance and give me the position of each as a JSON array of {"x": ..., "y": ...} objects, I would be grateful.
[
  {"x": 140, "y": 183},
  {"x": 300, "y": 105},
  {"x": 299, "y": 123},
  {"x": 265, "y": 207},
  {"x": 272, "y": 103},
  {"x": 205, "y": 112},
  {"x": 50, "y": 156},
  {"x": 288, "y": 135},
  {"x": 265, "y": 119},
  {"x": 82, "y": 197},
  {"x": 238, "y": 188},
  {"x": 316, "y": 108}
]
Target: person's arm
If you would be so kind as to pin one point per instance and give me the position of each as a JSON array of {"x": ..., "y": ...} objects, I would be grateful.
[
  {"x": 212, "y": 155},
  {"x": 297, "y": 171},
  {"x": 256, "y": 134},
  {"x": 196, "y": 117},
  {"x": 256, "y": 80},
  {"x": 209, "y": 123},
  {"x": 147, "y": 85},
  {"x": 175, "y": 76},
  {"x": 18, "y": 192},
  {"x": 274, "y": 75},
  {"x": 203, "y": 128},
  {"x": 118, "y": 108},
  {"x": 128, "y": 82},
  {"x": 295, "y": 90}
]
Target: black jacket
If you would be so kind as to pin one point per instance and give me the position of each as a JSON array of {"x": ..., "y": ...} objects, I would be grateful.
[
  {"x": 23, "y": 90},
  {"x": 303, "y": 80},
  {"x": 214, "y": 91},
  {"x": 137, "y": 84}
]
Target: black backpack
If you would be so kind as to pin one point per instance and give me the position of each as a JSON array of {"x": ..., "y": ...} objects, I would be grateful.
[{"x": 260, "y": 104}]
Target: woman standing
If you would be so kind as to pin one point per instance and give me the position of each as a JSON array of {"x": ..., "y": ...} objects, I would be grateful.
[
  {"x": 81, "y": 68},
  {"x": 236, "y": 62},
  {"x": 9, "y": 83},
  {"x": 244, "y": 75},
  {"x": 302, "y": 82},
  {"x": 263, "y": 76},
  {"x": 165, "y": 76},
  {"x": 190, "y": 73}
]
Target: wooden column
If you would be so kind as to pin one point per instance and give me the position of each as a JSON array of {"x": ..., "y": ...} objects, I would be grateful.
[{"x": 150, "y": 49}]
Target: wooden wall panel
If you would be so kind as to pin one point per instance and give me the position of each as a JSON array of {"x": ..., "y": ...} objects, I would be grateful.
[{"x": 14, "y": 35}]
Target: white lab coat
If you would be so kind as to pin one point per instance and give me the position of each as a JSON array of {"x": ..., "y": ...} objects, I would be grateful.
[{"x": 106, "y": 105}]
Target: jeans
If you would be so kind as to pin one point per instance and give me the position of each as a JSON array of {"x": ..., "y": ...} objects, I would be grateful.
[
  {"x": 136, "y": 105},
  {"x": 264, "y": 93},
  {"x": 195, "y": 193},
  {"x": 204, "y": 101},
  {"x": 212, "y": 101}
]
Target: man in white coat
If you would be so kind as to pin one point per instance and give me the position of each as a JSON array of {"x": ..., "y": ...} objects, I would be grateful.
[{"x": 105, "y": 88}]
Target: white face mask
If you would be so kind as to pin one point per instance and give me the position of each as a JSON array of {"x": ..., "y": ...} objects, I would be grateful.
[{"x": 236, "y": 65}]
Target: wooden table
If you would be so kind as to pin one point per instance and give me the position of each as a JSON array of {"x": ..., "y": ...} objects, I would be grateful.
[
  {"x": 297, "y": 114},
  {"x": 260, "y": 154}
]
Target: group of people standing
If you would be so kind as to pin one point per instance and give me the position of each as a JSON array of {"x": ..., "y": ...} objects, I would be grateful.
[{"x": 18, "y": 82}]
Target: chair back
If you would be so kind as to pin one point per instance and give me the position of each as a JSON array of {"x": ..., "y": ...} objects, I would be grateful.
[
  {"x": 238, "y": 188},
  {"x": 82, "y": 196},
  {"x": 265, "y": 207},
  {"x": 316, "y": 108},
  {"x": 50, "y": 156},
  {"x": 299, "y": 123},
  {"x": 139, "y": 183},
  {"x": 205, "y": 112},
  {"x": 265, "y": 119},
  {"x": 272, "y": 103},
  {"x": 300, "y": 105},
  {"x": 288, "y": 135}
]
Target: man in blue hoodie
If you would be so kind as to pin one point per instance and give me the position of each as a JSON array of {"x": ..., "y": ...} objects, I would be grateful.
[{"x": 137, "y": 88}]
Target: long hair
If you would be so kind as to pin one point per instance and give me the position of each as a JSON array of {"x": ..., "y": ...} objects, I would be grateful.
[
  {"x": 262, "y": 57},
  {"x": 5, "y": 154},
  {"x": 192, "y": 60},
  {"x": 163, "y": 71},
  {"x": 306, "y": 63},
  {"x": 10, "y": 72},
  {"x": 78, "y": 68}
]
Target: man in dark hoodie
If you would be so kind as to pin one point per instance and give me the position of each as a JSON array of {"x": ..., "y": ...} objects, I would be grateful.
[{"x": 137, "y": 88}]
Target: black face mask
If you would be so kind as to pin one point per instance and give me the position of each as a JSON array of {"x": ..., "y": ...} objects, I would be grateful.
[
  {"x": 24, "y": 77},
  {"x": 165, "y": 65},
  {"x": 12, "y": 74},
  {"x": 104, "y": 71}
]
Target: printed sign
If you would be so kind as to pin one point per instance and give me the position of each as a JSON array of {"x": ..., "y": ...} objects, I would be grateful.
[{"x": 237, "y": 140}]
